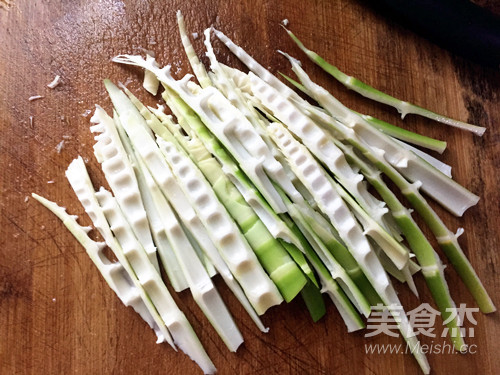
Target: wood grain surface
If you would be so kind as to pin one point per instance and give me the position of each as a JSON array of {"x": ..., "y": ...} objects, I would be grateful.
[{"x": 57, "y": 315}]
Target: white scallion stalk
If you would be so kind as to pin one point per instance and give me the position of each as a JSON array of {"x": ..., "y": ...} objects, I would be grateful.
[
  {"x": 178, "y": 325},
  {"x": 223, "y": 231},
  {"x": 114, "y": 274},
  {"x": 79, "y": 180},
  {"x": 121, "y": 178}
]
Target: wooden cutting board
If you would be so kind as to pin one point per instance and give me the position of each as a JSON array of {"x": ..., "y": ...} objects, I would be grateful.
[{"x": 57, "y": 316}]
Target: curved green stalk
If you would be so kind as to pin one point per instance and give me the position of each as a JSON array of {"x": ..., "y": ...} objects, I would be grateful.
[
  {"x": 367, "y": 91},
  {"x": 387, "y": 128}
]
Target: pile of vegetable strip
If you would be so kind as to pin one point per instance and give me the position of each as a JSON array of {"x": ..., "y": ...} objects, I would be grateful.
[{"x": 248, "y": 180}]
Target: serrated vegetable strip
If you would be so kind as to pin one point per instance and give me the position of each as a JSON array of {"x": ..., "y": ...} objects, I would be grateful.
[
  {"x": 158, "y": 230},
  {"x": 200, "y": 284},
  {"x": 454, "y": 197},
  {"x": 255, "y": 67},
  {"x": 192, "y": 123},
  {"x": 144, "y": 112},
  {"x": 179, "y": 327},
  {"x": 318, "y": 142},
  {"x": 114, "y": 274},
  {"x": 275, "y": 260},
  {"x": 362, "y": 88},
  {"x": 223, "y": 231},
  {"x": 328, "y": 198},
  {"x": 121, "y": 178},
  {"x": 135, "y": 126},
  {"x": 332, "y": 205},
  {"x": 79, "y": 179},
  {"x": 446, "y": 239},
  {"x": 150, "y": 82},
  {"x": 202, "y": 288},
  {"x": 231, "y": 128},
  {"x": 432, "y": 268},
  {"x": 388, "y": 128},
  {"x": 198, "y": 68}
]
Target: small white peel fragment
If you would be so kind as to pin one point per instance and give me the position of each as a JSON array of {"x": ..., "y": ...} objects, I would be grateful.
[
  {"x": 26, "y": 198},
  {"x": 60, "y": 146},
  {"x": 195, "y": 36},
  {"x": 285, "y": 22},
  {"x": 55, "y": 82},
  {"x": 35, "y": 97},
  {"x": 50, "y": 182},
  {"x": 86, "y": 113}
]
